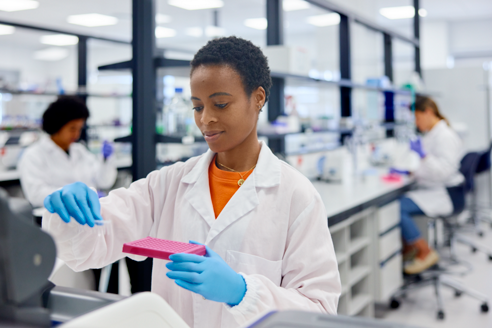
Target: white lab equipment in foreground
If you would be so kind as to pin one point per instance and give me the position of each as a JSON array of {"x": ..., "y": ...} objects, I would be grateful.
[{"x": 142, "y": 310}]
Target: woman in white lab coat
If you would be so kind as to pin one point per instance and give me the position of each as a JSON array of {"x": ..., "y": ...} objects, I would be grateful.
[
  {"x": 264, "y": 224},
  {"x": 440, "y": 151},
  {"x": 58, "y": 159}
]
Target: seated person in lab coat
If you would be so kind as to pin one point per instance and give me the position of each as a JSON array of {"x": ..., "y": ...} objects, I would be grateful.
[
  {"x": 57, "y": 159},
  {"x": 440, "y": 151},
  {"x": 264, "y": 224}
]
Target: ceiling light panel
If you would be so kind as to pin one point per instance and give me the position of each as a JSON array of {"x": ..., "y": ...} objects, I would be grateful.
[
  {"x": 6, "y": 29},
  {"x": 292, "y": 5},
  {"x": 59, "y": 39},
  {"x": 196, "y": 4},
  {"x": 163, "y": 19},
  {"x": 92, "y": 20},
  {"x": 256, "y": 23},
  {"x": 164, "y": 32},
  {"x": 214, "y": 31},
  {"x": 324, "y": 20},
  {"x": 196, "y": 32},
  {"x": 401, "y": 12},
  {"x": 17, "y": 5},
  {"x": 51, "y": 54}
]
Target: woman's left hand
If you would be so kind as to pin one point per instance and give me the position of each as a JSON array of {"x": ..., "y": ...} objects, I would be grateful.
[
  {"x": 209, "y": 276},
  {"x": 107, "y": 149}
]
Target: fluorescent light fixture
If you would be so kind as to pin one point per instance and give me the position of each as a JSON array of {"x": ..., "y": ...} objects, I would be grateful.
[
  {"x": 196, "y": 4},
  {"x": 213, "y": 31},
  {"x": 59, "y": 39},
  {"x": 164, "y": 32},
  {"x": 324, "y": 20},
  {"x": 256, "y": 23},
  {"x": 401, "y": 12},
  {"x": 6, "y": 29},
  {"x": 92, "y": 20},
  {"x": 17, "y": 5},
  {"x": 163, "y": 19},
  {"x": 51, "y": 54},
  {"x": 292, "y": 5},
  {"x": 196, "y": 32}
]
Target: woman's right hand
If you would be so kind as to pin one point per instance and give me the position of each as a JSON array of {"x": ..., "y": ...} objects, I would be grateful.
[{"x": 75, "y": 200}]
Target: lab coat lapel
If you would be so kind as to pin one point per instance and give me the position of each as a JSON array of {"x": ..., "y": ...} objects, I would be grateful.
[
  {"x": 246, "y": 199},
  {"x": 198, "y": 193},
  {"x": 243, "y": 201}
]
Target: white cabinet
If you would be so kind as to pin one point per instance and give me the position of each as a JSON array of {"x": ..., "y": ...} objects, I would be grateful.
[
  {"x": 353, "y": 242},
  {"x": 368, "y": 249},
  {"x": 388, "y": 260}
]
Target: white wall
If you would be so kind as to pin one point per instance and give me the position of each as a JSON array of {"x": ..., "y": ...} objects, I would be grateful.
[
  {"x": 461, "y": 96},
  {"x": 435, "y": 44}
]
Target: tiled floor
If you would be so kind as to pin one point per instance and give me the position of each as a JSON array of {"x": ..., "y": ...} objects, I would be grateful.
[{"x": 419, "y": 308}]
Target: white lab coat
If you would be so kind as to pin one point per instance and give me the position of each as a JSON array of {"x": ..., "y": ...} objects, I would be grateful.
[
  {"x": 273, "y": 231},
  {"x": 45, "y": 167},
  {"x": 438, "y": 170}
]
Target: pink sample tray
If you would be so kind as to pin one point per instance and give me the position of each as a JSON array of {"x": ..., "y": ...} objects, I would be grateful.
[
  {"x": 391, "y": 178},
  {"x": 161, "y": 248}
]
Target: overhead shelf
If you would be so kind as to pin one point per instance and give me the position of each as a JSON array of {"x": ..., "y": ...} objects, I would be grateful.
[
  {"x": 190, "y": 139},
  {"x": 81, "y": 94},
  {"x": 271, "y": 136},
  {"x": 339, "y": 83},
  {"x": 159, "y": 62},
  {"x": 159, "y": 138}
]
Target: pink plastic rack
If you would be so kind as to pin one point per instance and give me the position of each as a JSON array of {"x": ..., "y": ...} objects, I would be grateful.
[{"x": 161, "y": 248}]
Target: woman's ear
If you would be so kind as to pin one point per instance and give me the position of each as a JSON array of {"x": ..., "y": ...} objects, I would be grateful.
[{"x": 260, "y": 97}]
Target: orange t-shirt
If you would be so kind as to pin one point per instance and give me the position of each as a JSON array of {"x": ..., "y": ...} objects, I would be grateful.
[{"x": 223, "y": 185}]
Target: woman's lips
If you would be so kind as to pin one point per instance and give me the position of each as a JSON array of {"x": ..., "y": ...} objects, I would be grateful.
[{"x": 212, "y": 136}]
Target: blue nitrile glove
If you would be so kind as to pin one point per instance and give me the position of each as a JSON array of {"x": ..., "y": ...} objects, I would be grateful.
[
  {"x": 209, "y": 276},
  {"x": 107, "y": 149},
  {"x": 416, "y": 146},
  {"x": 396, "y": 171},
  {"x": 75, "y": 200}
]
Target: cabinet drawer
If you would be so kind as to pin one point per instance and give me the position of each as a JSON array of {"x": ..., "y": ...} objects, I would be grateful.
[
  {"x": 389, "y": 243},
  {"x": 388, "y": 216},
  {"x": 390, "y": 278}
]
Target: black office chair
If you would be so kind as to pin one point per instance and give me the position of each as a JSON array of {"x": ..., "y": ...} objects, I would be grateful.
[
  {"x": 472, "y": 164},
  {"x": 481, "y": 212},
  {"x": 439, "y": 275}
]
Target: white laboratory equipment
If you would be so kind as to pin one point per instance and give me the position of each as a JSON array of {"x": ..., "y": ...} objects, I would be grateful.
[
  {"x": 178, "y": 116},
  {"x": 141, "y": 310}
]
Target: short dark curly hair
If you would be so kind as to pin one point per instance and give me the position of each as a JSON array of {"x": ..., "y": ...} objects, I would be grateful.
[
  {"x": 241, "y": 55},
  {"x": 62, "y": 111}
]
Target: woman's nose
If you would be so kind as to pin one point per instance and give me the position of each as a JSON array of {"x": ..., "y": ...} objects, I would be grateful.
[{"x": 207, "y": 116}]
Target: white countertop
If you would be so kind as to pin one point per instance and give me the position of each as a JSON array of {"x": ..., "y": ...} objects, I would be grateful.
[
  {"x": 339, "y": 197},
  {"x": 12, "y": 175}
]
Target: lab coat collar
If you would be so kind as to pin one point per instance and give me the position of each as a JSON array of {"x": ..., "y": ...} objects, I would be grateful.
[
  {"x": 267, "y": 172},
  {"x": 49, "y": 145},
  {"x": 436, "y": 128}
]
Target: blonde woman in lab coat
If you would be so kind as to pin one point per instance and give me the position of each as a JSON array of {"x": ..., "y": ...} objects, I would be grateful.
[
  {"x": 58, "y": 159},
  {"x": 264, "y": 224},
  {"x": 441, "y": 152}
]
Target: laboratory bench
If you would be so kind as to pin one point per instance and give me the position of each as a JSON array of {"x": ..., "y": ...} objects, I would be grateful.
[
  {"x": 9, "y": 176},
  {"x": 363, "y": 217}
]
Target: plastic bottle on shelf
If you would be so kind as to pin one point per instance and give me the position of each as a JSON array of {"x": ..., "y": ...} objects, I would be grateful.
[{"x": 178, "y": 115}]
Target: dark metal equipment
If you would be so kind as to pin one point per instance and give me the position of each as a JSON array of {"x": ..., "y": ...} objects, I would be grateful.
[{"x": 27, "y": 257}]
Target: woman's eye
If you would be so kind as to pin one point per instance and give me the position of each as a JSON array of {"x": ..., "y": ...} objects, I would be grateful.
[
  {"x": 221, "y": 105},
  {"x": 197, "y": 109}
]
